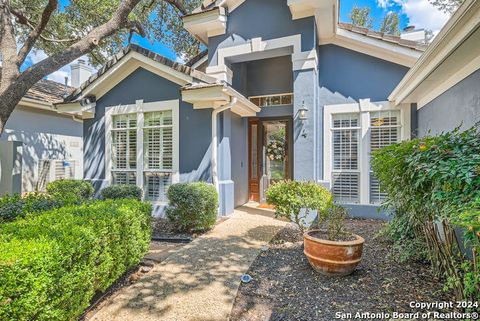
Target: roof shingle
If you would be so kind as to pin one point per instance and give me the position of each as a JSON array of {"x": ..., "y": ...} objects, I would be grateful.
[{"x": 383, "y": 36}]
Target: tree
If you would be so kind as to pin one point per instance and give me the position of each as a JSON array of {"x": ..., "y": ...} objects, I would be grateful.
[
  {"x": 360, "y": 17},
  {"x": 447, "y": 6},
  {"x": 390, "y": 24},
  {"x": 73, "y": 28}
]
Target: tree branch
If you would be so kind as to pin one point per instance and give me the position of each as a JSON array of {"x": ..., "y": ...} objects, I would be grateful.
[
  {"x": 22, "y": 19},
  {"x": 36, "y": 31},
  {"x": 178, "y": 4}
]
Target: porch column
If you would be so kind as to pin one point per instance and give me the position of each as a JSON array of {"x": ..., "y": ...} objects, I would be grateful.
[
  {"x": 305, "y": 84},
  {"x": 225, "y": 182}
]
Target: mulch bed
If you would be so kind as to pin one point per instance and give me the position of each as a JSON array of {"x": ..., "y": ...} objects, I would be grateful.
[{"x": 286, "y": 288}]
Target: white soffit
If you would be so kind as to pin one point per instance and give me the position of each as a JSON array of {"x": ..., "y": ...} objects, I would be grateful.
[
  {"x": 210, "y": 23},
  {"x": 452, "y": 56},
  {"x": 216, "y": 96}
]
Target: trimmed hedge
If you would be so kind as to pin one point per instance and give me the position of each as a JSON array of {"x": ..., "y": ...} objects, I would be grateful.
[
  {"x": 122, "y": 191},
  {"x": 192, "y": 206},
  {"x": 69, "y": 191},
  {"x": 51, "y": 265},
  {"x": 16, "y": 206}
]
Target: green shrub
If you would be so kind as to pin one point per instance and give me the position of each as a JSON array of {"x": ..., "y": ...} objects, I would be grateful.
[
  {"x": 431, "y": 181},
  {"x": 122, "y": 191},
  {"x": 70, "y": 191},
  {"x": 192, "y": 206},
  {"x": 16, "y": 206},
  {"x": 290, "y": 197},
  {"x": 51, "y": 265}
]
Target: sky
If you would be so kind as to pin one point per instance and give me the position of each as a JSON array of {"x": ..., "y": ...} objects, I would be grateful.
[{"x": 419, "y": 13}]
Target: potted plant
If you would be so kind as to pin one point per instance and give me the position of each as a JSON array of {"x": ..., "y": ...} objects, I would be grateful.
[{"x": 329, "y": 248}]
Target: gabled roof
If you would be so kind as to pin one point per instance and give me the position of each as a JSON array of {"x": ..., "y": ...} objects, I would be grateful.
[
  {"x": 49, "y": 91},
  {"x": 383, "y": 36},
  {"x": 186, "y": 70}
]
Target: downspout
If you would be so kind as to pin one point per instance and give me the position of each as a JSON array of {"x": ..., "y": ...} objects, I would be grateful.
[{"x": 215, "y": 112}]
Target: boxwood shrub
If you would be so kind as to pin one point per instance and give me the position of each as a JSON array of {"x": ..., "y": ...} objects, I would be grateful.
[
  {"x": 122, "y": 191},
  {"x": 192, "y": 206},
  {"x": 51, "y": 265},
  {"x": 70, "y": 191},
  {"x": 16, "y": 206}
]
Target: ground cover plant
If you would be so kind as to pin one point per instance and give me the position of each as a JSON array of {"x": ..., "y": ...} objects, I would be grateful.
[
  {"x": 51, "y": 265},
  {"x": 433, "y": 187},
  {"x": 192, "y": 206}
]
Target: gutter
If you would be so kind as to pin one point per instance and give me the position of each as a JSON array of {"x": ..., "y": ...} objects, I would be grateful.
[{"x": 215, "y": 113}]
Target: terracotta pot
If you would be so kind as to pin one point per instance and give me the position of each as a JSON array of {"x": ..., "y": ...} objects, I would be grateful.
[{"x": 332, "y": 257}]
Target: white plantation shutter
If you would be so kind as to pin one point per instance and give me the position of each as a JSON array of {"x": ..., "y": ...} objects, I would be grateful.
[
  {"x": 384, "y": 131},
  {"x": 345, "y": 145},
  {"x": 158, "y": 154},
  {"x": 124, "y": 148}
]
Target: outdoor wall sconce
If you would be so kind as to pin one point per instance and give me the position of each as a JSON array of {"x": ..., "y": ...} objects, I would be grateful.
[{"x": 303, "y": 112}]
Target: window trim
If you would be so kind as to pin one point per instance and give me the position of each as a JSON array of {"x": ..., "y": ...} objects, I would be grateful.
[
  {"x": 140, "y": 108},
  {"x": 364, "y": 108}
]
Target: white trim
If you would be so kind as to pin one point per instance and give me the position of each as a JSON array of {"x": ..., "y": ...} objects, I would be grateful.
[
  {"x": 457, "y": 30},
  {"x": 451, "y": 81},
  {"x": 217, "y": 96},
  {"x": 200, "y": 62},
  {"x": 140, "y": 108},
  {"x": 301, "y": 59},
  {"x": 127, "y": 65},
  {"x": 206, "y": 24},
  {"x": 363, "y": 108},
  {"x": 375, "y": 47}
]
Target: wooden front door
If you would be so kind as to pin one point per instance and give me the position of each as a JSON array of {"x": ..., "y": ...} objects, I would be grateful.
[
  {"x": 254, "y": 168},
  {"x": 269, "y": 154}
]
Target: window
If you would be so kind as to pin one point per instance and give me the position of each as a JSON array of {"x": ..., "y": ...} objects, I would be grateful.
[
  {"x": 272, "y": 100},
  {"x": 351, "y": 133},
  {"x": 158, "y": 154},
  {"x": 50, "y": 170},
  {"x": 384, "y": 131},
  {"x": 124, "y": 149},
  {"x": 141, "y": 147},
  {"x": 345, "y": 173}
]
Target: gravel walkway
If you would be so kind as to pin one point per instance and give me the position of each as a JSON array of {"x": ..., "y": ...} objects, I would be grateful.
[
  {"x": 285, "y": 287},
  {"x": 198, "y": 282}
]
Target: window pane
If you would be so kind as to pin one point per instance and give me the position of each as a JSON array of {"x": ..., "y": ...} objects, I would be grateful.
[
  {"x": 345, "y": 149},
  {"x": 160, "y": 118},
  {"x": 345, "y": 187},
  {"x": 384, "y": 131},
  {"x": 123, "y": 178},
  {"x": 346, "y": 120},
  {"x": 156, "y": 186},
  {"x": 158, "y": 148},
  {"x": 273, "y": 100}
]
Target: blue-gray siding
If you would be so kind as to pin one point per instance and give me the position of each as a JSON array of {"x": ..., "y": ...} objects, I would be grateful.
[
  {"x": 357, "y": 75},
  {"x": 458, "y": 106},
  {"x": 267, "y": 19},
  {"x": 195, "y": 128}
]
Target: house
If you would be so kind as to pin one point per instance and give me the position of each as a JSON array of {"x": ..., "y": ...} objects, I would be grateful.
[
  {"x": 39, "y": 144},
  {"x": 444, "y": 84},
  {"x": 283, "y": 91}
]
